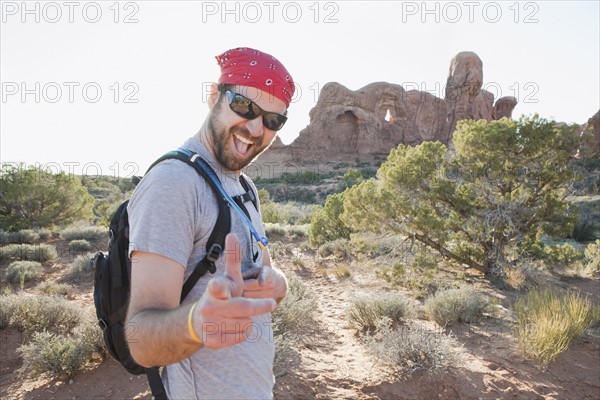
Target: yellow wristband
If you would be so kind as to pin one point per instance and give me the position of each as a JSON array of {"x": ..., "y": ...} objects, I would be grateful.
[{"x": 191, "y": 326}]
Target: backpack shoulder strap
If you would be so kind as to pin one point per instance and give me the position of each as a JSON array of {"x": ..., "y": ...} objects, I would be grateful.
[
  {"x": 250, "y": 195},
  {"x": 216, "y": 241}
]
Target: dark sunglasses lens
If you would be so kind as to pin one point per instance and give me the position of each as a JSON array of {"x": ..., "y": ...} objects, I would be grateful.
[
  {"x": 242, "y": 107},
  {"x": 274, "y": 121}
]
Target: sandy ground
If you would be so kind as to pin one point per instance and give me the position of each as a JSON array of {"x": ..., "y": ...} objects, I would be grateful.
[{"x": 338, "y": 366}]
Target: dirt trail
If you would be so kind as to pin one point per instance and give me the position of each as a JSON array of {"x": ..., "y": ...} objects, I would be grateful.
[{"x": 337, "y": 367}]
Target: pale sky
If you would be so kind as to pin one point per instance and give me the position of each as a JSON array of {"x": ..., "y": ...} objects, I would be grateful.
[{"x": 107, "y": 87}]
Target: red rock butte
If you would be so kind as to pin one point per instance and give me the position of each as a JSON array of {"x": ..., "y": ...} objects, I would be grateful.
[{"x": 364, "y": 125}]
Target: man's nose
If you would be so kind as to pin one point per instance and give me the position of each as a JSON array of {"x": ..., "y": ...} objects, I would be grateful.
[{"x": 255, "y": 126}]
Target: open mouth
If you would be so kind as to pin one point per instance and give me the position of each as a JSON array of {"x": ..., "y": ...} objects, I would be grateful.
[{"x": 242, "y": 145}]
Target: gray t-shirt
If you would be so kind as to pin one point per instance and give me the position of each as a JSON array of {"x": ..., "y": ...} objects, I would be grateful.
[{"x": 172, "y": 212}]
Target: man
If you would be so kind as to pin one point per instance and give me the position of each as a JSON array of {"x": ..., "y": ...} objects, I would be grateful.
[{"x": 218, "y": 343}]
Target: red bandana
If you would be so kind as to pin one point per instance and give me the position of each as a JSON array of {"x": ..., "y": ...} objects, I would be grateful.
[{"x": 249, "y": 67}]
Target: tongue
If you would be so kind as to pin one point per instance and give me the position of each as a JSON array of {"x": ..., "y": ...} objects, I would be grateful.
[{"x": 240, "y": 146}]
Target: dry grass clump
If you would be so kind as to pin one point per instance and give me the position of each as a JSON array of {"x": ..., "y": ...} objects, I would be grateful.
[
  {"x": 451, "y": 306},
  {"x": 38, "y": 313},
  {"x": 341, "y": 272},
  {"x": 29, "y": 252},
  {"x": 89, "y": 233},
  {"x": 410, "y": 348},
  {"x": 23, "y": 271},
  {"x": 55, "y": 289},
  {"x": 339, "y": 249},
  {"x": 364, "y": 312},
  {"x": 547, "y": 322},
  {"x": 81, "y": 269}
]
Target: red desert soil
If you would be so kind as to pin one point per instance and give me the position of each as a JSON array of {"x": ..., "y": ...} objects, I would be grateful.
[{"x": 338, "y": 367}]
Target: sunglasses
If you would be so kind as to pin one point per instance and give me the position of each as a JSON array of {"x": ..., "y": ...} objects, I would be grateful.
[{"x": 246, "y": 108}]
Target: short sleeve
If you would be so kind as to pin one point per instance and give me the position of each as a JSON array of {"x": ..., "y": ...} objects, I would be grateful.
[{"x": 163, "y": 212}]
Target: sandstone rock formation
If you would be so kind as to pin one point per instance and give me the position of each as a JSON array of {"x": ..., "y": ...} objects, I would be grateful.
[
  {"x": 504, "y": 107},
  {"x": 591, "y": 148},
  {"x": 364, "y": 125},
  {"x": 347, "y": 125}
]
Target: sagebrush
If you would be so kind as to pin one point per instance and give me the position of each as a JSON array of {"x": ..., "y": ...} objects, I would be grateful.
[
  {"x": 28, "y": 252},
  {"x": 410, "y": 348},
  {"x": 89, "y": 233},
  {"x": 23, "y": 271},
  {"x": 38, "y": 313},
  {"x": 61, "y": 355},
  {"x": 451, "y": 306},
  {"x": 364, "y": 312},
  {"x": 81, "y": 269}
]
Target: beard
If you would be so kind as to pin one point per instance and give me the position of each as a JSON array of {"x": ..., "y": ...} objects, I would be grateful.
[{"x": 223, "y": 138}]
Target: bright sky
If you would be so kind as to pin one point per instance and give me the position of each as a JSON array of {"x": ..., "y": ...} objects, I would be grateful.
[{"x": 107, "y": 87}]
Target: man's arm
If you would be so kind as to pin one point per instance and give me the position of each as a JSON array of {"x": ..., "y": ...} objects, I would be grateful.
[{"x": 157, "y": 324}]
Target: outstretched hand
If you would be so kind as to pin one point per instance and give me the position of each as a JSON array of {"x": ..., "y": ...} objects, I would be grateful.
[{"x": 222, "y": 317}]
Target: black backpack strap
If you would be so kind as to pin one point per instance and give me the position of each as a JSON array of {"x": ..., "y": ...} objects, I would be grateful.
[
  {"x": 242, "y": 198},
  {"x": 156, "y": 386},
  {"x": 216, "y": 240},
  {"x": 249, "y": 195}
]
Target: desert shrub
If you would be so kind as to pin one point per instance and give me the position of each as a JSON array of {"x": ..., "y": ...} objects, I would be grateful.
[
  {"x": 326, "y": 225},
  {"x": 562, "y": 254},
  {"x": 338, "y": 248},
  {"x": 55, "y": 289},
  {"x": 8, "y": 303},
  {"x": 89, "y": 233},
  {"x": 409, "y": 349},
  {"x": 22, "y": 236},
  {"x": 592, "y": 256},
  {"x": 584, "y": 229},
  {"x": 547, "y": 322},
  {"x": 457, "y": 203},
  {"x": 351, "y": 177},
  {"x": 79, "y": 245},
  {"x": 588, "y": 218},
  {"x": 295, "y": 317},
  {"x": 291, "y": 213},
  {"x": 452, "y": 306},
  {"x": 35, "y": 197},
  {"x": 62, "y": 355},
  {"x": 364, "y": 312},
  {"x": 44, "y": 234},
  {"x": 31, "y": 252},
  {"x": 37, "y": 313},
  {"x": 23, "y": 271},
  {"x": 290, "y": 231},
  {"x": 80, "y": 270},
  {"x": 50, "y": 353}
]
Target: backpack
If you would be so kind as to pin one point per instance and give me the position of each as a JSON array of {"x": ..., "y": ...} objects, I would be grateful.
[{"x": 112, "y": 277}]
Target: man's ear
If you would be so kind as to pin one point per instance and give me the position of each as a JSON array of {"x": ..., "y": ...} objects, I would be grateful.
[{"x": 213, "y": 95}]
